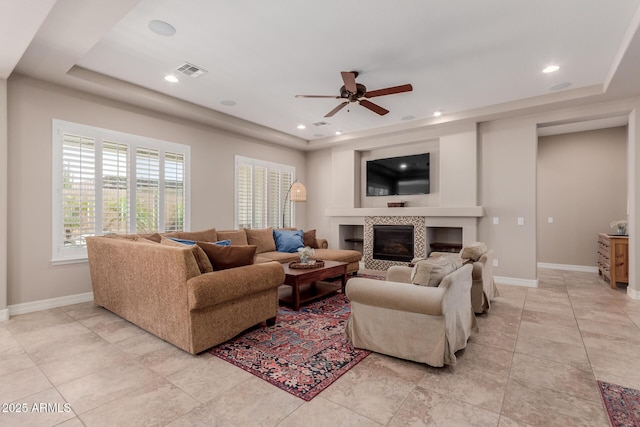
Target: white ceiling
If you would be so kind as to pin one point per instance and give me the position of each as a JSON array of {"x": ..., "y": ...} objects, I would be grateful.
[{"x": 459, "y": 55}]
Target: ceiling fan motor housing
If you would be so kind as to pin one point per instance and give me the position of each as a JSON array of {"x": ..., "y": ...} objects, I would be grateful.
[{"x": 353, "y": 97}]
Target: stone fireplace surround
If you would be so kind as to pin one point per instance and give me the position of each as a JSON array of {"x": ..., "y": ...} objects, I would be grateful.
[{"x": 465, "y": 218}]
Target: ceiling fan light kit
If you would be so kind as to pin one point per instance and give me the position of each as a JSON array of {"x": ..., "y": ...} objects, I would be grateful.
[{"x": 356, "y": 92}]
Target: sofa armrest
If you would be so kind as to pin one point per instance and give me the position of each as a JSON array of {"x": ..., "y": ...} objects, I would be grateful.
[
  {"x": 396, "y": 295},
  {"x": 322, "y": 243},
  {"x": 399, "y": 273},
  {"x": 210, "y": 289}
]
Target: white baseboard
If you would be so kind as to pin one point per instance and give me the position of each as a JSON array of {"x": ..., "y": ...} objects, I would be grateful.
[
  {"x": 567, "y": 267},
  {"x": 45, "y": 304},
  {"x": 632, "y": 293},
  {"x": 4, "y": 314},
  {"x": 514, "y": 281}
]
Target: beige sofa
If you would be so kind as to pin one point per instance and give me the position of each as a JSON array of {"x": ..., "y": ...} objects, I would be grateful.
[
  {"x": 161, "y": 289},
  {"x": 420, "y": 323}
]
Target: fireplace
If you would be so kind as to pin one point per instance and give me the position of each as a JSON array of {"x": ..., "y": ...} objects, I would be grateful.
[{"x": 393, "y": 242}]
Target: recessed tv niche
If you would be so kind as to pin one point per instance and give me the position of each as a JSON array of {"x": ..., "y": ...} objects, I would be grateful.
[{"x": 398, "y": 176}]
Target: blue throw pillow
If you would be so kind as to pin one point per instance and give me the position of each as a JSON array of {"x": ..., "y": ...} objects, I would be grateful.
[
  {"x": 183, "y": 241},
  {"x": 288, "y": 240},
  {"x": 223, "y": 242}
]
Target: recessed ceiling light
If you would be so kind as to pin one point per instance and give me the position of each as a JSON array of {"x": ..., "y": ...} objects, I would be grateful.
[
  {"x": 560, "y": 86},
  {"x": 301, "y": 126},
  {"x": 161, "y": 28},
  {"x": 551, "y": 69},
  {"x": 228, "y": 103},
  {"x": 338, "y": 132},
  {"x": 171, "y": 78},
  {"x": 409, "y": 117},
  {"x": 437, "y": 113}
]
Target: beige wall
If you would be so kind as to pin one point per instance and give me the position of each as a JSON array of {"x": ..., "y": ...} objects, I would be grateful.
[
  {"x": 3, "y": 196},
  {"x": 582, "y": 185},
  {"x": 32, "y": 104}
]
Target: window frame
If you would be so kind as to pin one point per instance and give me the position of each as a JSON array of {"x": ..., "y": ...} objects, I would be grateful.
[
  {"x": 269, "y": 166},
  {"x": 66, "y": 255}
]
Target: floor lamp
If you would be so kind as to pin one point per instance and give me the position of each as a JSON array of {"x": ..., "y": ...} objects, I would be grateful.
[{"x": 297, "y": 193}]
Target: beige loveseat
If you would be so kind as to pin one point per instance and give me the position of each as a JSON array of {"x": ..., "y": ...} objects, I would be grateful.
[
  {"x": 420, "y": 323},
  {"x": 161, "y": 289}
]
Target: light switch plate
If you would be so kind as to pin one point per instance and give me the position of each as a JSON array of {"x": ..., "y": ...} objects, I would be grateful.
[
  {"x": 550, "y": 220},
  {"x": 496, "y": 220},
  {"x": 520, "y": 220},
  {"x": 496, "y": 263}
]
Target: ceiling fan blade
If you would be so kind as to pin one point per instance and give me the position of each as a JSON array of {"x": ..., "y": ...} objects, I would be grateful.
[
  {"x": 335, "y": 110},
  {"x": 373, "y": 107},
  {"x": 389, "y": 91},
  {"x": 318, "y": 96},
  {"x": 349, "y": 79}
]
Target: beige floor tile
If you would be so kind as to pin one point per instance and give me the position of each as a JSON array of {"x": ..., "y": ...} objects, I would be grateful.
[
  {"x": 615, "y": 368},
  {"x": 142, "y": 344},
  {"x": 13, "y": 359},
  {"x": 155, "y": 404},
  {"x": 204, "y": 415},
  {"x": 255, "y": 402},
  {"x": 83, "y": 310},
  {"x": 568, "y": 354},
  {"x": 99, "y": 320},
  {"x": 425, "y": 407},
  {"x": 37, "y": 320},
  {"x": 631, "y": 333},
  {"x": 524, "y": 403},
  {"x": 70, "y": 367},
  {"x": 498, "y": 339},
  {"x": 169, "y": 360},
  {"x": 564, "y": 319},
  {"x": 563, "y": 378},
  {"x": 107, "y": 385},
  {"x": 474, "y": 386},
  {"x": 611, "y": 344},
  {"x": 204, "y": 379},
  {"x": 62, "y": 347},
  {"x": 322, "y": 412},
  {"x": 376, "y": 387},
  {"x": 490, "y": 359},
  {"x": 22, "y": 383},
  {"x": 610, "y": 315},
  {"x": 566, "y": 335},
  {"x": 73, "y": 422},
  {"x": 508, "y": 422},
  {"x": 118, "y": 330},
  {"x": 46, "y": 408}
]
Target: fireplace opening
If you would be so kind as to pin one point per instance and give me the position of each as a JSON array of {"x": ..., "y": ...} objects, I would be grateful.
[{"x": 393, "y": 242}]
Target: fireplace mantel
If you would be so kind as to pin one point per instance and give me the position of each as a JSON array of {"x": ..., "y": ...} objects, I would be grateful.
[{"x": 461, "y": 211}]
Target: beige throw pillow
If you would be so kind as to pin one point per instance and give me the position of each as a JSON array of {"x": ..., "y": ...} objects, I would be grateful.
[
  {"x": 431, "y": 271},
  {"x": 473, "y": 251},
  {"x": 201, "y": 257},
  {"x": 262, "y": 238},
  {"x": 237, "y": 237}
]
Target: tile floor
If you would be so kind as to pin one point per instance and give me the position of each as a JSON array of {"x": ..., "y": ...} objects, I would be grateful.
[{"x": 534, "y": 362}]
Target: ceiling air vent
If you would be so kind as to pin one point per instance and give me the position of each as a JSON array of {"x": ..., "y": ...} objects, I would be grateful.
[
  {"x": 191, "y": 70},
  {"x": 320, "y": 124}
]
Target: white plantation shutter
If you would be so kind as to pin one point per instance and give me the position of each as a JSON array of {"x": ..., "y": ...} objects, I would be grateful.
[
  {"x": 147, "y": 190},
  {"x": 115, "y": 188},
  {"x": 260, "y": 191},
  {"x": 107, "y": 182},
  {"x": 78, "y": 189},
  {"x": 174, "y": 196}
]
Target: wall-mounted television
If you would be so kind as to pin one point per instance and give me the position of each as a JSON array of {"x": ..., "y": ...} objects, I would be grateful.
[{"x": 398, "y": 176}]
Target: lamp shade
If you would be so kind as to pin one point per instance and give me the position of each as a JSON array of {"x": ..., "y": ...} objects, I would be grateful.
[{"x": 298, "y": 192}]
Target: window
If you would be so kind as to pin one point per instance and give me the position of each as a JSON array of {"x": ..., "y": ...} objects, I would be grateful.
[
  {"x": 107, "y": 182},
  {"x": 261, "y": 188}
]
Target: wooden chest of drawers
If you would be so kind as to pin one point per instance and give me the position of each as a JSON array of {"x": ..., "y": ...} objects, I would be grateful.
[{"x": 613, "y": 258}]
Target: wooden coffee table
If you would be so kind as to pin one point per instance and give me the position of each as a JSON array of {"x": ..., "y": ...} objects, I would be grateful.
[{"x": 307, "y": 285}]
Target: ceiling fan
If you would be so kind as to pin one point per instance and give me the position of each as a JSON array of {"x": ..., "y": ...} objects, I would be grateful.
[{"x": 356, "y": 92}]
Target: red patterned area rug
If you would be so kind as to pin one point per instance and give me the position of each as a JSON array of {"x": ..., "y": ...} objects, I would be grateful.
[
  {"x": 303, "y": 353},
  {"x": 622, "y": 404}
]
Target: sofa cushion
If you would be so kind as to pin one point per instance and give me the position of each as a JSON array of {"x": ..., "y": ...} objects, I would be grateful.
[
  {"x": 281, "y": 257},
  {"x": 209, "y": 235},
  {"x": 201, "y": 257},
  {"x": 309, "y": 239},
  {"x": 473, "y": 251},
  {"x": 431, "y": 271},
  {"x": 342, "y": 255},
  {"x": 288, "y": 240},
  {"x": 262, "y": 238},
  {"x": 155, "y": 237},
  {"x": 224, "y": 257},
  {"x": 237, "y": 237}
]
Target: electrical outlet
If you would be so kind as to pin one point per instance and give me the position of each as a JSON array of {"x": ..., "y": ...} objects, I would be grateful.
[
  {"x": 520, "y": 220},
  {"x": 496, "y": 263},
  {"x": 496, "y": 220}
]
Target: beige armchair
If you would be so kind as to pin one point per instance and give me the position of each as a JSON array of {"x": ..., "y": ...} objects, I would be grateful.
[{"x": 419, "y": 323}]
